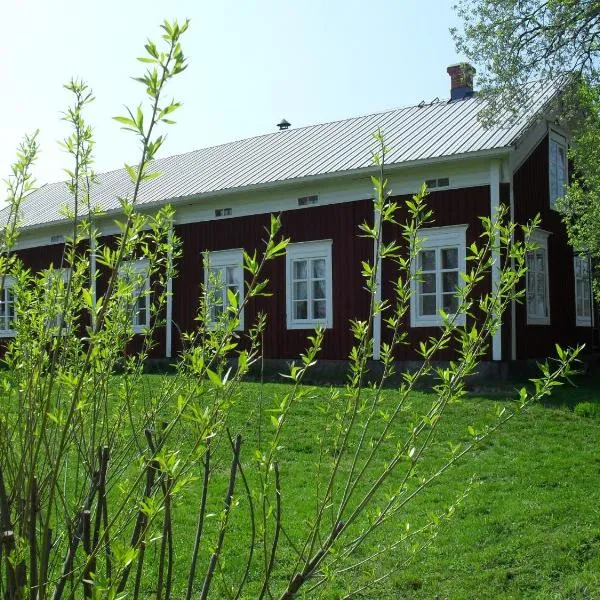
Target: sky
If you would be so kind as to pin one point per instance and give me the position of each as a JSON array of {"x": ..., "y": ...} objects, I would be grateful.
[{"x": 251, "y": 63}]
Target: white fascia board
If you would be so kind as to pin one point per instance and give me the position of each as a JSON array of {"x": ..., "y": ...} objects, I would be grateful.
[{"x": 407, "y": 178}]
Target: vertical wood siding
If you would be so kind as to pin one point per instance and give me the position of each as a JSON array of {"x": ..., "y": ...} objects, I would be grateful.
[
  {"x": 450, "y": 207},
  {"x": 531, "y": 192},
  {"x": 338, "y": 222}
]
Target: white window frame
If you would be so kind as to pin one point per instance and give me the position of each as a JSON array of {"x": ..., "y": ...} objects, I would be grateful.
[
  {"x": 223, "y": 259},
  {"x": 556, "y": 140},
  {"x": 585, "y": 284},
  {"x": 438, "y": 239},
  {"x": 307, "y": 251},
  {"x": 539, "y": 237},
  {"x": 63, "y": 274},
  {"x": 139, "y": 269},
  {"x": 9, "y": 284}
]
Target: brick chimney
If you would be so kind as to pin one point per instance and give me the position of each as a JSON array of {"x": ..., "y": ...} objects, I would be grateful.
[{"x": 461, "y": 80}]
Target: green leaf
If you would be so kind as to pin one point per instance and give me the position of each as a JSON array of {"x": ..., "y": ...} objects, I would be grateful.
[{"x": 214, "y": 378}]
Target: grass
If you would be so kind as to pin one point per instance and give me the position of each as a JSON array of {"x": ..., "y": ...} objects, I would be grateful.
[{"x": 529, "y": 528}]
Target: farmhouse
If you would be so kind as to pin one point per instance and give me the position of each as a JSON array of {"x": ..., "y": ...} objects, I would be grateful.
[{"x": 318, "y": 179}]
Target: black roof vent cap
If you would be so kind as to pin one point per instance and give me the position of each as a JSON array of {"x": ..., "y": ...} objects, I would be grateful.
[{"x": 283, "y": 124}]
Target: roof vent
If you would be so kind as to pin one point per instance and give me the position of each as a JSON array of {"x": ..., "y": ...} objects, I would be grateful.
[
  {"x": 283, "y": 124},
  {"x": 306, "y": 200},
  {"x": 222, "y": 212},
  {"x": 461, "y": 80}
]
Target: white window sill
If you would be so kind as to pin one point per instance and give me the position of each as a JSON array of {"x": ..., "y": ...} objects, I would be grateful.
[
  {"x": 8, "y": 333},
  {"x": 308, "y": 324},
  {"x": 583, "y": 322},
  {"x": 435, "y": 321},
  {"x": 538, "y": 321}
]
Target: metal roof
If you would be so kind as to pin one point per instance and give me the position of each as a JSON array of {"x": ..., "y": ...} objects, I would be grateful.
[{"x": 414, "y": 133}]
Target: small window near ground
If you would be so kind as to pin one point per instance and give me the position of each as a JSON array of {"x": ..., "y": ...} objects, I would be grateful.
[
  {"x": 557, "y": 167},
  {"x": 137, "y": 272},
  {"x": 7, "y": 306},
  {"x": 583, "y": 291},
  {"x": 309, "y": 285},
  {"x": 439, "y": 264},
  {"x": 224, "y": 275},
  {"x": 538, "y": 288}
]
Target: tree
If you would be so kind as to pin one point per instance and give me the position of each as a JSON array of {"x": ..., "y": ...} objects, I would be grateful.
[{"x": 516, "y": 41}]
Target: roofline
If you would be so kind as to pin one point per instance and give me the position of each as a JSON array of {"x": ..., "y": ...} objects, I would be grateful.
[{"x": 500, "y": 152}]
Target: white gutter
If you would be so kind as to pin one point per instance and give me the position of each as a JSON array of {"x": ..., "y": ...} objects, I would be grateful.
[{"x": 513, "y": 303}]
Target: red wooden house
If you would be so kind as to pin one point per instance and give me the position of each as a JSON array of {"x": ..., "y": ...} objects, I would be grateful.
[{"x": 318, "y": 179}]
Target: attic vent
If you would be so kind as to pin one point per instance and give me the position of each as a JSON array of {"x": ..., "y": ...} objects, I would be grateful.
[
  {"x": 306, "y": 200},
  {"x": 55, "y": 239},
  {"x": 438, "y": 183},
  {"x": 222, "y": 212}
]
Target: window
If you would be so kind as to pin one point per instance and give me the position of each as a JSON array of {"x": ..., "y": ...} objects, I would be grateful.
[
  {"x": 557, "y": 167},
  {"x": 440, "y": 262},
  {"x": 538, "y": 291},
  {"x": 57, "y": 280},
  {"x": 583, "y": 296},
  {"x": 137, "y": 272},
  {"x": 7, "y": 307},
  {"x": 309, "y": 285},
  {"x": 224, "y": 272}
]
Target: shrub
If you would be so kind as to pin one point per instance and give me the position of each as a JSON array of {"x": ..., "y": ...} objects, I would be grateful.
[
  {"x": 587, "y": 409},
  {"x": 93, "y": 472}
]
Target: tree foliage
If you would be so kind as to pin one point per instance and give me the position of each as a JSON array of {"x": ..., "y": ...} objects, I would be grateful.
[{"x": 516, "y": 41}]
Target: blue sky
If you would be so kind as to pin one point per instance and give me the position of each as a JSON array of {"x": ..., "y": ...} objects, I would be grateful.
[{"x": 251, "y": 63}]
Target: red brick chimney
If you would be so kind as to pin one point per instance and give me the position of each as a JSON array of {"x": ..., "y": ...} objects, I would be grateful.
[{"x": 461, "y": 80}]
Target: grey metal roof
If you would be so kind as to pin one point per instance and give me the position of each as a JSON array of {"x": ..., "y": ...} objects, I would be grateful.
[{"x": 414, "y": 133}]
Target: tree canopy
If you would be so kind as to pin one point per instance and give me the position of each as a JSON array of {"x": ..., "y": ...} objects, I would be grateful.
[{"x": 515, "y": 41}]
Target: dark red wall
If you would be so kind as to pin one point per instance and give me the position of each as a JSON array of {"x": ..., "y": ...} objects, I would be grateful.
[
  {"x": 337, "y": 222},
  {"x": 531, "y": 195},
  {"x": 450, "y": 207}
]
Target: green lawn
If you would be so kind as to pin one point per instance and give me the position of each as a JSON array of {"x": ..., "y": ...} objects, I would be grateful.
[{"x": 530, "y": 528}]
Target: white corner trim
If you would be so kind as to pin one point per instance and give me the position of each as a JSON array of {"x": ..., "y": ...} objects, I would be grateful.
[
  {"x": 377, "y": 259},
  {"x": 169, "y": 307},
  {"x": 494, "y": 207}
]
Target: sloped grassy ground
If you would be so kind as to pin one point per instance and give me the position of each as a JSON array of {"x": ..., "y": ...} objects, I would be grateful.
[{"x": 530, "y": 527}]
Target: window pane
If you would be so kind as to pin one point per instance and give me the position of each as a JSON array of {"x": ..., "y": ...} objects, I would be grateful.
[
  {"x": 319, "y": 309},
  {"x": 428, "y": 284},
  {"x": 449, "y": 281},
  {"x": 319, "y": 289},
  {"x": 427, "y": 260},
  {"x": 300, "y": 310},
  {"x": 449, "y": 303},
  {"x": 450, "y": 258},
  {"x": 231, "y": 275},
  {"x": 299, "y": 269},
  {"x": 318, "y": 268},
  {"x": 427, "y": 305},
  {"x": 300, "y": 290}
]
